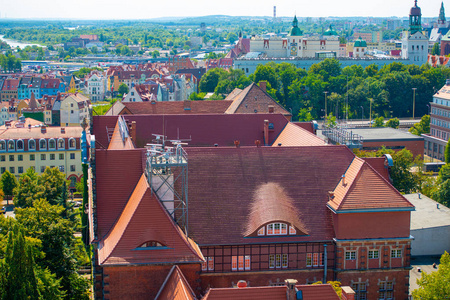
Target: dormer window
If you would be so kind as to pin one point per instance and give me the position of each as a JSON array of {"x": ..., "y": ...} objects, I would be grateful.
[
  {"x": 2, "y": 145},
  {"x": 276, "y": 229},
  {"x": 261, "y": 231},
  {"x": 31, "y": 145},
  {"x": 60, "y": 143},
  {"x": 20, "y": 145},
  {"x": 52, "y": 144},
  {"x": 72, "y": 143},
  {"x": 42, "y": 144},
  {"x": 151, "y": 245},
  {"x": 11, "y": 145}
]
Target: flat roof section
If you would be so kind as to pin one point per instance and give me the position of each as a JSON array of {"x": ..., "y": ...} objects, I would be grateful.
[
  {"x": 384, "y": 134},
  {"x": 428, "y": 213}
]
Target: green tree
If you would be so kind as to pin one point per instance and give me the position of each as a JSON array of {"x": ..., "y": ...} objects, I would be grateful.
[
  {"x": 393, "y": 123},
  {"x": 304, "y": 115},
  {"x": 378, "y": 122},
  {"x": 155, "y": 54},
  {"x": 435, "y": 285},
  {"x": 436, "y": 50},
  {"x": 8, "y": 182},
  {"x": 232, "y": 37},
  {"x": 209, "y": 81},
  {"x": 447, "y": 152},
  {"x": 123, "y": 89},
  {"x": 422, "y": 127}
]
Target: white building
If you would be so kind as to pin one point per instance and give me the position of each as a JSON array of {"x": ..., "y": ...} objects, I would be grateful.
[
  {"x": 74, "y": 108},
  {"x": 414, "y": 42},
  {"x": 96, "y": 87}
]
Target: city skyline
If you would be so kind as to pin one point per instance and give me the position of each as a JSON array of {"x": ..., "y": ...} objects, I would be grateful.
[{"x": 139, "y": 9}]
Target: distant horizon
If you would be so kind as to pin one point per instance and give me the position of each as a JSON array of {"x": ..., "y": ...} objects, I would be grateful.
[{"x": 87, "y": 10}]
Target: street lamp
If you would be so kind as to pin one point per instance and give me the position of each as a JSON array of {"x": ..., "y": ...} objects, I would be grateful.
[
  {"x": 414, "y": 101},
  {"x": 370, "y": 114},
  {"x": 362, "y": 114},
  {"x": 325, "y": 105}
]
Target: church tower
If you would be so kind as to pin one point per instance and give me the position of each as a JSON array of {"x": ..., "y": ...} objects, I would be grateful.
[
  {"x": 414, "y": 42},
  {"x": 442, "y": 23},
  {"x": 294, "y": 47}
]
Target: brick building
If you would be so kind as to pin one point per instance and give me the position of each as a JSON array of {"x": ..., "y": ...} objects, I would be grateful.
[{"x": 262, "y": 214}]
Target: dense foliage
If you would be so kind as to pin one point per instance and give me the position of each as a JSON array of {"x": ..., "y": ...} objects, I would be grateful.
[{"x": 435, "y": 285}]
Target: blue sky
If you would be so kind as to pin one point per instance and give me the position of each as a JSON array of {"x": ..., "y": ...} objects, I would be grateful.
[{"x": 140, "y": 9}]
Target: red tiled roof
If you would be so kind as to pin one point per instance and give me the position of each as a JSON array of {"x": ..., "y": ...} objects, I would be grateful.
[
  {"x": 175, "y": 287},
  {"x": 50, "y": 83},
  {"x": 365, "y": 189},
  {"x": 134, "y": 227},
  {"x": 222, "y": 182},
  {"x": 11, "y": 85},
  {"x": 260, "y": 293},
  {"x": 305, "y": 125},
  {"x": 378, "y": 164},
  {"x": 202, "y": 129},
  {"x": 117, "y": 143},
  {"x": 318, "y": 292},
  {"x": 176, "y": 107},
  {"x": 117, "y": 173},
  {"x": 293, "y": 135}
]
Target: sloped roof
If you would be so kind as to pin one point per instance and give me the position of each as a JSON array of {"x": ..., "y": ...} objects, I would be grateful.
[
  {"x": 364, "y": 189},
  {"x": 223, "y": 181},
  {"x": 117, "y": 142},
  {"x": 175, "y": 287},
  {"x": 233, "y": 94},
  {"x": 318, "y": 292},
  {"x": 271, "y": 203},
  {"x": 33, "y": 104},
  {"x": 293, "y": 135},
  {"x": 260, "y": 293},
  {"x": 201, "y": 129},
  {"x": 173, "y": 107},
  {"x": 134, "y": 227},
  {"x": 254, "y": 100},
  {"x": 378, "y": 164}
]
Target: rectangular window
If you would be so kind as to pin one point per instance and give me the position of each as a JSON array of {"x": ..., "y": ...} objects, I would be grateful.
[
  {"x": 2, "y": 170},
  {"x": 309, "y": 259},
  {"x": 285, "y": 261},
  {"x": 2, "y": 158},
  {"x": 61, "y": 168},
  {"x": 72, "y": 168},
  {"x": 315, "y": 259},
  {"x": 396, "y": 253},
  {"x": 321, "y": 257},
  {"x": 61, "y": 156},
  {"x": 12, "y": 170},
  {"x": 278, "y": 260},
  {"x": 43, "y": 157},
  {"x": 20, "y": 157},
  {"x": 270, "y": 229},
  {"x": 292, "y": 230},
  {"x": 204, "y": 265},
  {"x": 42, "y": 169},
  {"x": 210, "y": 263},
  {"x": 11, "y": 158},
  {"x": 72, "y": 155},
  {"x": 350, "y": 255},
  {"x": 261, "y": 231},
  {"x": 234, "y": 263},
  {"x": 32, "y": 157},
  {"x": 52, "y": 156},
  {"x": 283, "y": 229},
  {"x": 276, "y": 229},
  {"x": 241, "y": 262},
  {"x": 20, "y": 170},
  {"x": 247, "y": 262},
  {"x": 373, "y": 254},
  {"x": 271, "y": 261}
]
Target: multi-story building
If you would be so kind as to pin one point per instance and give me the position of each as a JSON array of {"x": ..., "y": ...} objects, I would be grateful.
[
  {"x": 96, "y": 87},
  {"x": 38, "y": 147},
  {"x": 436, "y": 141},
  {"x": 73, "y": 109},
  {"x": 9, "y": 89},
  {"x": 414, "y": 42},
  {"x": 52, "y": 87}
]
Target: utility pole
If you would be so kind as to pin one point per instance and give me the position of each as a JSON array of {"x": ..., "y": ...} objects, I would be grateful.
[
  {"x": 414, "y": 101},
  {"x": 370, "y": 113},
  {"x": 326, "y": 114}
]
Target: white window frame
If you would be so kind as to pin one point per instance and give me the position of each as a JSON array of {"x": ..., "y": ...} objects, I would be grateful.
[
  {"x": 372, "y": 252},
  {"x": 31, "y": 141},
  {"x": 17, "y": 145},
  {"x": 52, "y": 148},
  {"x": 42, "y": 148},
  {"x": 351, "y": 255},
  {"x": 396, "y": 253}
]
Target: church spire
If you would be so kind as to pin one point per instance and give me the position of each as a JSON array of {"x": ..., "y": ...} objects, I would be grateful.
[
  {"x": 441, "y": 19},
  {"x": 415, "y": 19}
]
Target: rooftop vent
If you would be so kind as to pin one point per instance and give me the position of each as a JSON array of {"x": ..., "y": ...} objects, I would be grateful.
[{"x": 241, "y": 284}]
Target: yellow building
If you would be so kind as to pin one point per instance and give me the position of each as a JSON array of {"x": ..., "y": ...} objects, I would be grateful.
[{"x": 39, "y": 147}]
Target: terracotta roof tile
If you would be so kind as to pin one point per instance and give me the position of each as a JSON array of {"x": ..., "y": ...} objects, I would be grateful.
[
  {"x": 223, "y": 182},
  {"x": 366, "y": 189},
  {"x": 378, "y": 164},
  {"x": 318, "y": 292},
  {"x": 176, "y": 107},
  {"x": 117, "y": 143},
  {"x": 261, "y": 293},
  {"x": 175, "y": 287},
  {"x": 293, "y": 135},
  {"x": 134, "y": 227}
]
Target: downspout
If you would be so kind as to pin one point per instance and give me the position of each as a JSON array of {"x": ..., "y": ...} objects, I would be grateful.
[{"x": 325, "y": 260}]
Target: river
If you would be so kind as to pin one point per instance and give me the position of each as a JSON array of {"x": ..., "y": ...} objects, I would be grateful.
[{"x": 15, "y": 44}]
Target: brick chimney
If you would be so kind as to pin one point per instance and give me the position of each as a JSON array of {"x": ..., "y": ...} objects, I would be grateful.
[
  {"x": 271, "y": 108},
  {"x": 43, "y": 129},
  {"x": 187, "y": 104},
  {"x": 447, "y": 82},
  {"x": 263, "y": 85},
  {"x": 348, "y": 293},
  {"x": 266, "y": 132},
  {"x": 291, "y": 293},
  {"x": 133, "y": 131}
]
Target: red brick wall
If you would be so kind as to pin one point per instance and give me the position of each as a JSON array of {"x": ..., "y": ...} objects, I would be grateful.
[
  {"x": 143, "y": 281},
  {"x": 372, "y": 225},
  {"x": 372, "y": 279},
  {"x": 416, "y": 147}
]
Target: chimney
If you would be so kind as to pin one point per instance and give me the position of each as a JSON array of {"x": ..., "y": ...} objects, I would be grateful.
[
  {"x": 63, "y": 130},
  {"x": 271, "y": 108},
  {"x": 266, "y": 132},
  {"x": 343, "y": 180},
  {"x": 291, "y": 292},
  {"x": 348, "y": 293},
  {"x": 330, "y": 195},
  {"x": 447, "y": 82},
  {"x": 258, "y": 143},
  {"x": 43, "y": 129},
  {"x": 187, "y": 104},
  {"x": 133, "y": 131},
  {"x": 263, "y": 85},
  {"x": 236, "y": 143}
]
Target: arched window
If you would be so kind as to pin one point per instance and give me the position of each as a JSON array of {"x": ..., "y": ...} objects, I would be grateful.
[
  {"x": 151, "y": 244},
  {"x": 42, "y": 144},
  {"x": 72, "y": 143},
  {"x": 2, "y": 146},
  {"x": 11, "y": 145},
  {"x": 277, "y": 229},
  {"x": 51, "y": 144},
  {"x": 19, "y": 145},
  {"x": 31, "y": 145},
  {"x": 61, "y": 144},
  {"x": 73, "y": 181}
]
